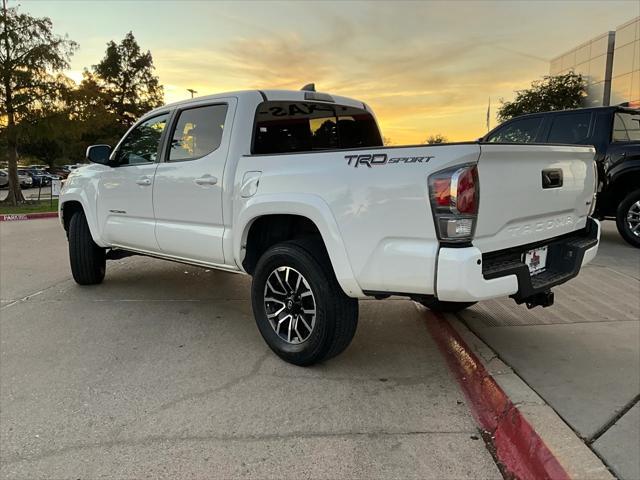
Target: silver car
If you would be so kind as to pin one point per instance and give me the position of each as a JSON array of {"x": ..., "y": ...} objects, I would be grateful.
[{"x": 25, "y": 180}]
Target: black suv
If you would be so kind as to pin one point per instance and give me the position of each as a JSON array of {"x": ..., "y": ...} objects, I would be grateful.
[{"x": 615, "y": 134}]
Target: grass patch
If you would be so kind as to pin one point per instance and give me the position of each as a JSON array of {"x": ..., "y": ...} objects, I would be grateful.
[{"x": 30, "y": 207}]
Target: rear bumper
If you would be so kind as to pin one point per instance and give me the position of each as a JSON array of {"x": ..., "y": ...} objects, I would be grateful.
[{"x": 467, "y": 275}]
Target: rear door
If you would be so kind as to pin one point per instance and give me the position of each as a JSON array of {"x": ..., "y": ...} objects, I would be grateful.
[
  {"x": 187, "y": 192},
  {"x": 530, "y": 193}
]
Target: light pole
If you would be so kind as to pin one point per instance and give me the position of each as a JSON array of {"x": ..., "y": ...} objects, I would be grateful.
[{"x": 191, "y": 91}]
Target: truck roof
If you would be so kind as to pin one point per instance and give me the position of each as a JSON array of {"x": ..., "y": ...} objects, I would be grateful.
[{"x": 268, "y": 95}]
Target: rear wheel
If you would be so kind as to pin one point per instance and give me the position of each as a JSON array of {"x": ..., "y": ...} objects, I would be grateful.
[
  {"x": 446, "y": 307},
  {"x": 299, "y": 307},
  {"x": 628, "y": 218},
  {"x": 87, "y": 259}
]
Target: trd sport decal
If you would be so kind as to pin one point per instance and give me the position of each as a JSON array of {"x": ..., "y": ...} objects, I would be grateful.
[{"x": 375, "y": 159}]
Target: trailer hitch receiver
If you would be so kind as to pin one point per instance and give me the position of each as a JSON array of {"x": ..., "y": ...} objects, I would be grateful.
[{"x": 543, "y": 299}]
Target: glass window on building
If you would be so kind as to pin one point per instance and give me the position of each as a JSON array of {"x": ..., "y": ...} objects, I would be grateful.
[
  {"x": 626, "y": 34},
  {"x": 598, "y": 69},
  {"x": 624, "y": 59},
  {"x": 600, "y": 46},
  {"x": 569, "y": 60},
  {"x": 621, "y": 89},
  {"x": 572, "y": 128},
  {"x": 583, "y": 54},
  {"x": 595, "y": 94},
  {"x": 635, "y": 86}
]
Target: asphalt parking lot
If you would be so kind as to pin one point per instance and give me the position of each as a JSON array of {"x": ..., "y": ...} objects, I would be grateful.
[{"x": 161, "y": 371}]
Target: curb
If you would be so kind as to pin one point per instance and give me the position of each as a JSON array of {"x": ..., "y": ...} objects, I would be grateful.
[
  {"x": 513, "y": 421},
  {"x": 517, "y": 445},
  {"x": 12, "y": 217}
]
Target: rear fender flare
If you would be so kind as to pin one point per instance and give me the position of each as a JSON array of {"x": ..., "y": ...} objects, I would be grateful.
[{"x": 306, "y": 205}]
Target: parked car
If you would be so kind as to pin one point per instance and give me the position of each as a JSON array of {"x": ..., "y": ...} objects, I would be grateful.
[
  {"x": 4, "y": 179},
  {"x": 25, "y": 179},
  {"x": 40, "y": 177},
  {"x": 615, "y": 133},
  {"x": 296, "y": 189}
]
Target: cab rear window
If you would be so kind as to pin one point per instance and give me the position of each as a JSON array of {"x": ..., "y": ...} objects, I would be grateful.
[
  {"x": 626, "y": 127},
  {"x": 283, "y": 127}
]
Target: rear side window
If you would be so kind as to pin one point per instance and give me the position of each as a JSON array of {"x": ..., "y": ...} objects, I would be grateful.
[
  {"x": 524, "y": 130},
  {"x": 282, "y": 127},
  {"x": 570, "y": 128},
  {"x": 198, "y": 132},
  {"x": 626, "y": 127}
]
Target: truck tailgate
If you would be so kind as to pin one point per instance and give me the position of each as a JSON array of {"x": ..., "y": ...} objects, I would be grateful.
[{"x": 530, "y": 193}]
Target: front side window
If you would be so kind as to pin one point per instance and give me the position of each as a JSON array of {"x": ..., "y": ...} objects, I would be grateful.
[
  {"x": 282, "y": 127},
  {"x": 141, "y": 145},
  {"x": 626, "y": 127},
  {"x": 518, "y": 131},
  {"x": 570, "y": 128},
  {"x": 198, "y": 132}
]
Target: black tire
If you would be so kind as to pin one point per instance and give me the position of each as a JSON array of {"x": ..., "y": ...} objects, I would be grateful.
[
  {"x": 88, "y": 261},
  {"x": 336, "y": 314},
  {"x": 629, "y": 207},
  {"x": 446, "y": 307}
]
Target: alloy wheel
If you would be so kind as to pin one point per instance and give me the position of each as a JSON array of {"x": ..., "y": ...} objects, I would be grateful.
[
  {"x": 633, "y": 218},
  {"x": 290, "y": 305}
]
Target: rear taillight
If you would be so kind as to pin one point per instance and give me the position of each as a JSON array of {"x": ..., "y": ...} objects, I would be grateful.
[{"x": 454, "y": 201}]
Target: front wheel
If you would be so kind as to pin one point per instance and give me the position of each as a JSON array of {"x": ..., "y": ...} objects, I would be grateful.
[
  {"x": 88, "y": 260},
  {"x": 299, "y": 307},
  {"x": 628, "y": 218},
  {"x": 446, "y": 307}
]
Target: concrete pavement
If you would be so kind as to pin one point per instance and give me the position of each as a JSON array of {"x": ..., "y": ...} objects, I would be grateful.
[
  {"x": 583, "y": 354},
  {"x": 161, "y": 372}
]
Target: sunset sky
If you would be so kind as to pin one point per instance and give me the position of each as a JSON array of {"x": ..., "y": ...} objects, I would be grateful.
[{"x": 425, "y": 67}]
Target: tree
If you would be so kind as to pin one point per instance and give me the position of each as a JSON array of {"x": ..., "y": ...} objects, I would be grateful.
[
  {"x": 30, "y": 54},
  {"x": 559, "y": 92},
  {"x": 437, "y": 138},
  {"x": 126, "y": 74}
]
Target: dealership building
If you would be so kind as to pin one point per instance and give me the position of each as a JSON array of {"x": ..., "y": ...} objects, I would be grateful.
[{"x": 609, "y": 62}]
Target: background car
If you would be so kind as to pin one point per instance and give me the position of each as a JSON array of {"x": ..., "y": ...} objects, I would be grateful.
[
  {"x": 39, "y": 176},
  {"x": 4, "y": 179}
]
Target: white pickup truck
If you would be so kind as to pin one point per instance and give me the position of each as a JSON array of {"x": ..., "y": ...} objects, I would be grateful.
[{"x": 296, "y": 189}]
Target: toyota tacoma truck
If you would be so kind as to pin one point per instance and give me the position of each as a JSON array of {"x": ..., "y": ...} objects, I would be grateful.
[
  {"x": 614, "y": 131},
  {"x": 296, "y": 189}
]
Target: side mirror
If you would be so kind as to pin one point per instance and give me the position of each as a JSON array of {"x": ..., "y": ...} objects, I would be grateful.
[{"x": 99, "y": 154}]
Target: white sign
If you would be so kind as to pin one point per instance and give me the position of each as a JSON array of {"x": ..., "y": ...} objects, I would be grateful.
[{"x": 56, "y": 185}]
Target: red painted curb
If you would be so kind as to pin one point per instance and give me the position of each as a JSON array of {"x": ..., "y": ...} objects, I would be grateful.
[
  {"x": 12, "y": 217},
  {"x": 518, "y": 446}
]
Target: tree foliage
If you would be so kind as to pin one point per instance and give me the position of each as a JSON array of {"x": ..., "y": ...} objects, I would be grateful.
[
  {"x": 30, "y": 57},
  {"x": 437, "y": 138},
  {"x": 559, "y": 92},
  {"x": 46, "y": 116},
  {"x": 126, "y": 74}
]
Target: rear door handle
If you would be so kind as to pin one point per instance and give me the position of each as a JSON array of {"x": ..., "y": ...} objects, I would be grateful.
[
  {"x": 206, "y": 180},
  {"x": 144, "y": 181}
]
